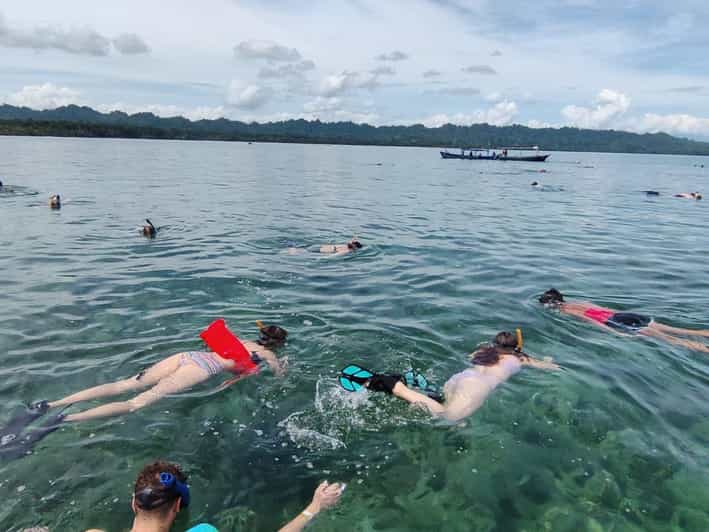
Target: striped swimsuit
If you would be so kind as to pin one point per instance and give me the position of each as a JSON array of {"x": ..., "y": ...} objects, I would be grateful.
[{"x": 206, "y": 360}]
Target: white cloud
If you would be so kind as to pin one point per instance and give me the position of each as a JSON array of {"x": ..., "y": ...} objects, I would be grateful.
[
  {"x": 322, "y": 104},
  {"x": 496, "y": 53},
  {"x": 537, "y": 124},
  {"x": 249, "y": 96},
  {"x": 500, "y": 114},
  {"x": 130, "y": 44},
  {"x": 80, "y": 41},
  {"x": 339, "y": 83},
  {"x": 609, "y": 106},
  {"x": 46, "y": 96},
  {"x": 266, "y": 50},
  {"x": 479, "y": 69},
  {"x": 494, "y": 97},
  {"x": 396, "y": 55},
  {"x": 678, "y": 124},
  {"x": 431, "y": 74},
  {"x": 165, "y": 111},
  {"x": 289, "y": 70}
]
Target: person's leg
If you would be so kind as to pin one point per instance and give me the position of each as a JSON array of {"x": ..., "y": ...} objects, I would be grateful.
[
  {"x": 689, "y": 344},
  {"x": 185, "y": 377},
  {"x": 149, "y": 377},
  {"x": 677, "y": 330},
  {"x": 414, "y": 397}
]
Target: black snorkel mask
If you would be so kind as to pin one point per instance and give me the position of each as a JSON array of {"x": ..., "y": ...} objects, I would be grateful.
[{"x": 148, "y": 499}]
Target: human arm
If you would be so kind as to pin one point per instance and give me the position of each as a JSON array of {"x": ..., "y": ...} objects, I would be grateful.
[
  {"x": 547, "y": 363},
  {"x": 326, "y": 495},
  {"x": 270, "y": 358}
]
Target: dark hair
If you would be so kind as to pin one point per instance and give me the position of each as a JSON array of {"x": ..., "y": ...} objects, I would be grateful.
[
  {"x": 505, "y": 339},
  {"x": 551, "y": 296},
  {"x": 272, "y": 336},
  {"x": 355, "y": 244},
  {"x": 486, "y": 356},
  {"x": 149, "y": 230},
  {"x": 148, "y": 485}
]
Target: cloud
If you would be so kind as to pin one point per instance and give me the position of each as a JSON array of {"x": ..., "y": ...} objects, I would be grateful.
[
  {"x": 431, "y": 74},
  {"x": 609, "y": 106},
  {"x": 396, "y": 55},
  {"x": 247, "y": 97},
  {"x": 339, "y": 83},
  {"x": 479, "y": 69},
  {"x": 494, "y": 97},
  {"x": 80, "y": 41},
  {"x": 383, "y": 70},
  {"x": 320, "y": 104},
  {"x": 496, "y": 53},
  {"x": 458, "y": 91},
  {"x": 682, "y": 124},
  {"x": 289, "y": 70},
  {"x": 501, "y": 114},
  {"x": 130, "y": 44},
  {"x": 46, "y": 96},
  {"x": 269, "y": 50},
  {"x": 165, "y": 111}
]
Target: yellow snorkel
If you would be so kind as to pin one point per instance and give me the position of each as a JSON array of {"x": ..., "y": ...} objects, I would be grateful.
[{"x": 520, "y": 342}]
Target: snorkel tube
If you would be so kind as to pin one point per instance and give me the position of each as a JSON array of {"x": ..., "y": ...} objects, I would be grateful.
[
  {"x": 520, "y": 342},
  {"x": 223, "y": 342}
]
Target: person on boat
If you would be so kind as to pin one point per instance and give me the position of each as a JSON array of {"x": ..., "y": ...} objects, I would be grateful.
[
  {"x": 689, "y": 195},
  {"x": 174, "y": 374},
  {"x": 465, "y": 392},
  {"x": 55, "y": 201},
  {"x": 623, "y": 322},
  {"x": 341, "y": 249}
]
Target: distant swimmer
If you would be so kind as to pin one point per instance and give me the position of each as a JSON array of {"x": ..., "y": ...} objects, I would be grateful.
[
  {"x": 174, "y": 374},
  {"x": 149, "y": 230},
  {"x": 546, "y": 188},
  {"x": 341, "y": 249},
  {"x": 465, "y": 392},
  {"x": 55, "y": 201},
  {"x": 536, "y": 184},
  {"x": 623, "y": 322},
  {"x": 689, "y": 195},
  {"x": 651, "y": 192}
]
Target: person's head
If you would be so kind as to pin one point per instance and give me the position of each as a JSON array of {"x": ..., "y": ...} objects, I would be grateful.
[
  {"x": 354, "y": 244},
  {"x": 160, "y": 491},
  {"x": 55, "y": 201},
  {"x": 149, "y": 229},
  {"x": 697, "y": 195},
  {"x": 551, "y": 297},
  {"x": 505, "y": 340},
  {"x": 535, "y": 183},
  {"x": 271, "y": 335}
]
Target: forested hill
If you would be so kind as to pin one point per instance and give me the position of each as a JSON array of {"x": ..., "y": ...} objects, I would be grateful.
[{"x": 74, "y": 121}]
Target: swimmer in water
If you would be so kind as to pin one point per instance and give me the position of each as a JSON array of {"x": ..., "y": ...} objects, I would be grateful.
[
  {"x": 149, "y": 230},
  {"x": 172, "y": 375},
  {"x": 55, "y": 201},
  {"x": 465, "y": 392},
  {"x": 689, "y": 195},
  {"x": 623, "y": 322},
  {"x": 536, "y": 184},
  {"x": 341, "y": 249}
]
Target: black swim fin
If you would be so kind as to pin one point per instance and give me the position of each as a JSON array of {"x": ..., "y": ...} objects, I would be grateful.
[
  {"x": 22, "y": 420},
  {"x": 23, "y": 444}
]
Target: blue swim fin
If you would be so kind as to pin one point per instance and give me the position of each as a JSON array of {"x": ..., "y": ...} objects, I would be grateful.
[
  {"x": 21, "y": 421},
  {"x": 22, "y": 445},
  {"x": 353, "y": 377}
]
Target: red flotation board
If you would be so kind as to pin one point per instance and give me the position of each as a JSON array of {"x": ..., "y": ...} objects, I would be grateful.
[{"x": 223, "y": 342}]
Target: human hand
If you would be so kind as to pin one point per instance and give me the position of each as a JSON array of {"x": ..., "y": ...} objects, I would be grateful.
[
  {"x": 326, "y": 495},
  {"x": 548, "y": 363}
]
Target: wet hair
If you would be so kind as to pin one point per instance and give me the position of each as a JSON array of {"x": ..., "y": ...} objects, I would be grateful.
[
  {"x": 272, "y": 336},
  {"x": 486, "y": 356},
  {"x": 149, "y": 230},
  {"x": 551, "y": 296},
  {"x": 505, "y": 340},
  {"x": 355, "y": 244},
  {"x": 535, "y": 183},
  {"x": 150, "y": 495}
]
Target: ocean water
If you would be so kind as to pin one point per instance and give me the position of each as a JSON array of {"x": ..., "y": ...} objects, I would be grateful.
[{"x": 454, "y": 252}]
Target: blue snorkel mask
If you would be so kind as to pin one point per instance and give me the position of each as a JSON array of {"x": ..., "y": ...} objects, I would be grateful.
[{"x": 149, "y": 499}]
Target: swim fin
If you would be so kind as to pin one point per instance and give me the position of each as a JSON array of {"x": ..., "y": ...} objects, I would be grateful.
[
  {"x": 21, "y": 446},
  {"x": 413, "y": 379},
  {"x": 22, "y": 420},
  {"x": 353, "y": 377}
]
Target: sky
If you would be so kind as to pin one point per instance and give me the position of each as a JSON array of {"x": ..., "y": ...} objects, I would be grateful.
[{"x": 637, "y": 65}]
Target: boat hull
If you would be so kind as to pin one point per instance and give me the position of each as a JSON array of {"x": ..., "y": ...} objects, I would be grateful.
[{"x": 524, "y": 158}]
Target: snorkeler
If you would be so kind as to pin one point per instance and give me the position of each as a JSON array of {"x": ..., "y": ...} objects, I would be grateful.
[
  {"x": 341, "y": 249},
  {"x": 623, "y": 322},
  {"x": 149, "y": 230},
  {"x": 464, "y": 392},
  {"x": 689, "y": 195},
  {"x": 55, "y": 201},
  {"x": 171, "y": 375}
]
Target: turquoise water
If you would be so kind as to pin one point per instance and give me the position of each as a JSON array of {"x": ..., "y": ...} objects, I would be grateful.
[{"x": 454, "y": 251}]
